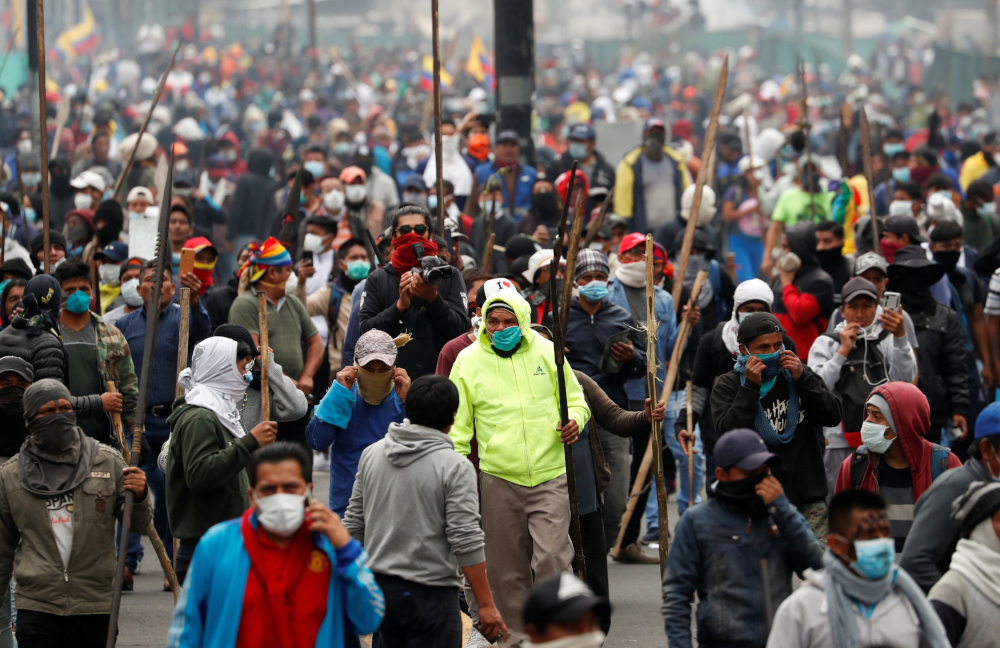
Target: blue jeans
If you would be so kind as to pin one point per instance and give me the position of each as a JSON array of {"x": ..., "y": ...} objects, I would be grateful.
[
  {"x": 652, "y": 508},
  {"x": 157, "y": 433},
  {"x": 135, "y": 551},
  {"x": 7, "y": 615},
  {"x": 747, "y": 254}
]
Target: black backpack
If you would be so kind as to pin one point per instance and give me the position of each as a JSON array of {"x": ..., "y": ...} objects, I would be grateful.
[
  {"x": 859, "y": 460},
  {"x": 851, "y": 387}
]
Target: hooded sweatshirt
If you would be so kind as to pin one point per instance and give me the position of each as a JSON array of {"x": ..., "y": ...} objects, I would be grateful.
[
  {"x": 910, "y": 420},
  {"x": 252, "y": 206},
  {"x": 513, "y": 403},
  {"x": 803, "y": 307},
  {"x": 415, "y": 507}
]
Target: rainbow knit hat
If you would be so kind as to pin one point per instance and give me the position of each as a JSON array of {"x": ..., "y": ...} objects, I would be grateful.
[{"x": 270, "y": 255}]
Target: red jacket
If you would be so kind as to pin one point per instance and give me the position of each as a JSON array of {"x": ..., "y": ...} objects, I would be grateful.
[
  {"x": 911, "y": 415},
  {"x": 802, "y": 319}
]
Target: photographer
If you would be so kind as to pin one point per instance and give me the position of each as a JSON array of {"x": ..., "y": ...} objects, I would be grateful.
[{"x": 397, "y": 300}]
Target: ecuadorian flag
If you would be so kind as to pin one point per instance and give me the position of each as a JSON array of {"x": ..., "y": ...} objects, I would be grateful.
[
  {"x": 80, "y": 38},
  {"x": 427, "y": 76},
  {"x": 480, "y": 64}
]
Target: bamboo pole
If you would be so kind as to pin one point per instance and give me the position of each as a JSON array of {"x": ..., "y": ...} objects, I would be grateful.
[
  {"x": 438, "y": 146},
  {"x": 651, "y": 368},
  {"x": 183, "y": 334},
  {"x": 598, "y": 222},
  {"x": 488, "y": 253},
  {"x": 690, "y": 444},
  {"x": 43, "y": 134},
  {"x": 699, "y": 185},
  {"x": 265, "y": 378},
  {"x": 652, "y": 447},
  {"x": 150, "y": 530},
  {"x": 866, "y": 152}
]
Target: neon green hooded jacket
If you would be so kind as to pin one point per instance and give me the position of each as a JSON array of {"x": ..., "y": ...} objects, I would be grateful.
[{"x": 513, "y": 403}]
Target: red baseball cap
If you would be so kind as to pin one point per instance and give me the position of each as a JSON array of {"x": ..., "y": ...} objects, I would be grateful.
[{"x": 630, "y": 241}]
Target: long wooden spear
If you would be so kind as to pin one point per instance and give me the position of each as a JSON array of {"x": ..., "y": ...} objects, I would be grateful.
[
  {"x": 654, "y": 432},
  {"x": 699, "y": 184},
  {"x": 145, "y": 122},
  {"x": 595, "y": 225},
  {"x": 152, "y": 325},
  {"x": 558, "y": 343},
  {"x": 43, "y": 134},
  {"x": 438, "y": 145},
  {"x": 866, "y": 160}
]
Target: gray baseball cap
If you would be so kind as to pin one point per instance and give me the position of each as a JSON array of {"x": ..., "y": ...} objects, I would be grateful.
[
  {"x": 870, "y": 260},
  {"x": 375, "y": 345},
  {"x": 19, "y": 366}
]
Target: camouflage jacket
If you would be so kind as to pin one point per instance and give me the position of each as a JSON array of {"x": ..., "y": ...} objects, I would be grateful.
[{"x": 114, "y": 362}]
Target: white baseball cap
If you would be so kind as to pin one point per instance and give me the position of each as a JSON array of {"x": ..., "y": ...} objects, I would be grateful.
[
  {"x": 140, "y": 193},
  {"x": 89, "y": 179},
  {"x": 536, "y": 261}
]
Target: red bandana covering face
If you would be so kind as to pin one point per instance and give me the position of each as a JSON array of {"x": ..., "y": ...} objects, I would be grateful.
[
  {"x": 204, "y": 271},
  {"x": 284, "y": 602},
  {"x": 404, "y": 258},
  {"x": 889, "y": 249}
]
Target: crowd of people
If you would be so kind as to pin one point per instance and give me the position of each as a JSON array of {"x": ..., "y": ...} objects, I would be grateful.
[{"x": 402, "y": 325}]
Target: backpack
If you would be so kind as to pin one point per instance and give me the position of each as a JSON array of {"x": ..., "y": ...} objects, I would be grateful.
[
  {"x": 939, "y": 463},
  {"x": 851, "y": 387}
]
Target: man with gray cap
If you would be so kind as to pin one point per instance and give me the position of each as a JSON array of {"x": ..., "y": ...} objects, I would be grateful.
[
  {"x": 60, "y": 498},
  {"x": 868, "y": 348},
  {"x": 770, "y": 391},
  {"x": 722, "y": 547},
  {"x": 515, "y": 179},
  {"x": 357, "y": 410}
]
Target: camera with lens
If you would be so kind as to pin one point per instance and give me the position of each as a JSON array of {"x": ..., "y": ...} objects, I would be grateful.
[{"x": 432, "y": 269}]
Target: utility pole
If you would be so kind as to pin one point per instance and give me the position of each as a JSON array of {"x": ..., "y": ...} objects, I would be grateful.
[
  {"x": 32, "y": 22},
  {"x": 848, "y": 44},
  {"x": 514, "y": 35},
  {"x": 798, "y": 11}
]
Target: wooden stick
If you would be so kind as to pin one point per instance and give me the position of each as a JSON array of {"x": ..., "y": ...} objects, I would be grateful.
[
  {"x": 265, "y": 378},
  {"x": 647, "y": 459},
  {"x": 574, "y": 251},
  {"x": 490, "y": 218},
  {"x": 183, "y": 335},
  {"x": 488, "y": 253},
  {"x": 690, "y": 444},
  {"x": 150, "y": 530},
  {"x": 866, "y": 153},
  {"x": 61, "y": 116},
  {"x": 152, "y": 325},
  {"x": 438, "y": 145},
  {"x": 43, "y": 133},
  {"x": 594, "y": 226},
  {"x": 558, "y": 342},
  {"x": 699, "y": 185},
  {"x": 145, "y": 122},
  {"x": 655, "y": 430},
  {"x": 10, "y": 46}
]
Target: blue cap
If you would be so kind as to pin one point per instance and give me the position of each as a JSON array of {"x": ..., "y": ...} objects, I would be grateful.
[
  {"x": 743, "y": 449},
  {"x": 988, "y": 422},
  {"x": 115, "y": 252},
  {"x": 415, "y": 181},
  {"x": 582, "y": 132}
]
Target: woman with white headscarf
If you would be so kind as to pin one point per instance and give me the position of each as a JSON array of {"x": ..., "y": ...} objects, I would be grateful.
[
  {"x": 716, "y": 355},
  {"x": 209, "y": 449}
]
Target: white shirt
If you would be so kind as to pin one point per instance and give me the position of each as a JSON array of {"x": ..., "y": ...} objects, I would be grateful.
[
  {"x": 61, "y": 516},
  {"x": 324, "y": 266}
]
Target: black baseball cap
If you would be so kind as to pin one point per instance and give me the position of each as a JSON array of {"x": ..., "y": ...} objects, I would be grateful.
[
  {"x": 858, "y": 286},
  {"x": 757, "y": 324},
  {"x": 508, "y": 136},
  {"x": 904, "y": 225},
  {"x": 20, "y": 366},
  {"x": 561, "y": 598},
  {"x": 743, "y": 449}
]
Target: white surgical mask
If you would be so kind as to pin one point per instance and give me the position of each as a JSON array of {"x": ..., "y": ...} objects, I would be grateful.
[
  {"x": 133, "y": 215},
  {"x": 24, "y": 146},
  {"x": 180, "y": 166},
  {"x": 313, "y": 243},
  {"x": 82, "y": 201},
  {"x": 130, "y": 293},
  {"x": 32, "y": 178},
  {"x": 594, "y": 639},
  {"x": 356, "y": 193},
  {"x": 109, "y": 274},
  {"x": 333, "y": 201},
  {"x": 282, "y": 513},
  {"x": 873, "y": 436}
]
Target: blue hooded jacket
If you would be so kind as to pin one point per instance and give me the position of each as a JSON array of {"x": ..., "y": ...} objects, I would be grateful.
[{"x": 345, "y": 421}]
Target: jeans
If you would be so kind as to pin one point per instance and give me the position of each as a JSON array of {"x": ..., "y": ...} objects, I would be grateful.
[
  {"x": 157, "y": 433},
  {"x": 135, "y": 551},
  {"x": 616, "y": 493},
  {"x": 44, "y": 630},
  {"x": 652, "y": 506},
  {"x": 7, "y": 617},
  {"x": 419, "y": 616}
]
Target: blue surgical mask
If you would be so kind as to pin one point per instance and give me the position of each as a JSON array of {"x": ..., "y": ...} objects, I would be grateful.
[
  {"x": 358, "y": 269},
  {"x": 875, "y": 557},
  {"x": 490, "y": 207},
  {"x": 506, "y": 339},
  {"x": 432, "y": 202},
  {"x": 30, "y": 214},
  {"x": 577, "y": 150},
  {"x": 315, "y": 167},
  {"x": 341, "y": 148},
  {"x": 248, "y": 372},
  {"x": 902, "y": 174},
  {"x": 891, "y": 149},
  {"x": 78, "y": 302},
  {"x": 987, "y": 209},
  {"x": 136, "y": 215},
  {"x": 86, "y": 126},
  {"x": 873, "y": 436},
  {"x": 31, "y": 179},
  {"x": 595, "y": 291}
]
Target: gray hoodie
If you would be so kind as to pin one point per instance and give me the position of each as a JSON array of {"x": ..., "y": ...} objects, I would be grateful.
[{"x": 415, "y": 507}]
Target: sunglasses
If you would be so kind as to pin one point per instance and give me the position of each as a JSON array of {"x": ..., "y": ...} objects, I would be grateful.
[{"x": 406, "y": 229}]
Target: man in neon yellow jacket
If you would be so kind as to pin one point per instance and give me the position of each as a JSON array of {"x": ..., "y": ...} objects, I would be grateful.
[{"x": 509, "y": 394}]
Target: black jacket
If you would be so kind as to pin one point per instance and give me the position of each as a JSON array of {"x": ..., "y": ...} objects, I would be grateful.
[
  {"x": 603, "y": 177},
  {"x": 711, "y": 360},
  {"x": 941, "y": 357},
  {"x": 586, "y": 335},
  {"x": 801, "y": 469},
  {"x": 430, "y": 325},
  {"x": 42, "y": 349},
  {"x": 218, "y": 301}
]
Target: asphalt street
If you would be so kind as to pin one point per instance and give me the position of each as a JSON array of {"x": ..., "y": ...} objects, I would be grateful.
[{"x": 635, "y": 594}]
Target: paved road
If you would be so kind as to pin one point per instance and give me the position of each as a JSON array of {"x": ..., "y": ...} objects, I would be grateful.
[{"x": 635, "y": 593}]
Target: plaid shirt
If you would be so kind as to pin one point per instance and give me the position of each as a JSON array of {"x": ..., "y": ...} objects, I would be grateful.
[{"x": 114, "y": 362}]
